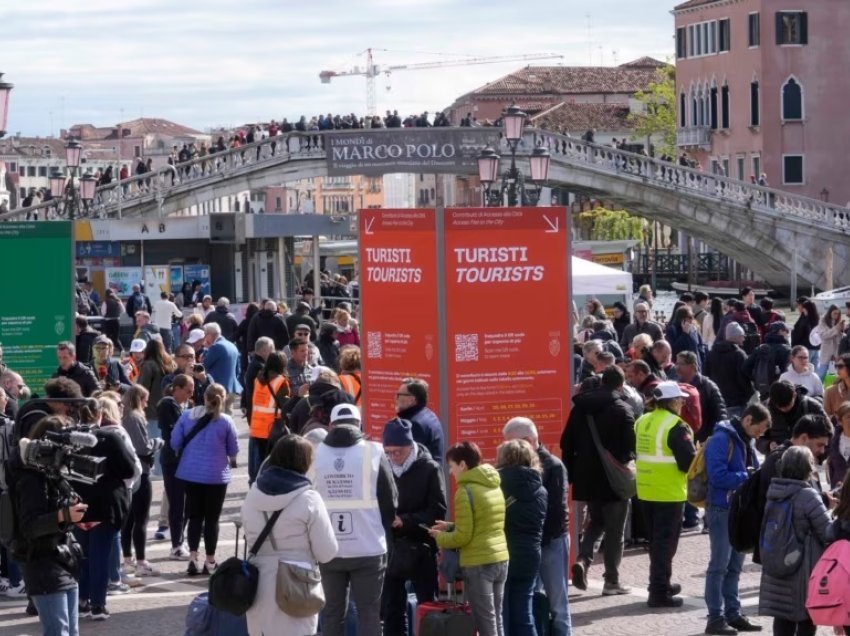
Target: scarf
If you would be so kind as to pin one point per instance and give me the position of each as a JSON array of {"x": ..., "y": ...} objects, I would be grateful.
[{"x": 398, "y": 471}]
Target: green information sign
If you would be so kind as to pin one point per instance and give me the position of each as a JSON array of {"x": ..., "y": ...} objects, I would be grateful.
[{"x": 36, "y": 296}]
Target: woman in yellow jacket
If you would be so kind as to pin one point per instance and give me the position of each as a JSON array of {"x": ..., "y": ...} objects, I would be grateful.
[{"x": 478, "y": 532}]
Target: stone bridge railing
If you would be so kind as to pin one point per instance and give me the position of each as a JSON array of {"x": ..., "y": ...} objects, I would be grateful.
[{"x": 113, "y": 200}]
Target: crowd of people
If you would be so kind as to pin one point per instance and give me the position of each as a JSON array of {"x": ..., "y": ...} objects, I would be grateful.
[
  {"x": 727, "y": 385},
  {"x": 729, "y": 393}
]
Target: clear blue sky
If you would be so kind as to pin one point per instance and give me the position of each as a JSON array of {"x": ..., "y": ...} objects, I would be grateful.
[{"x": 218, "y": 62}]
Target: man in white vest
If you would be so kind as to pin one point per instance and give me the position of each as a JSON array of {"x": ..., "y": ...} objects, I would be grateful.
[{"x": 356, "y": 482}]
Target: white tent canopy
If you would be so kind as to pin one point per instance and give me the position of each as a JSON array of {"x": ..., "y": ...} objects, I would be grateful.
[{"x": 592, "y": 279}]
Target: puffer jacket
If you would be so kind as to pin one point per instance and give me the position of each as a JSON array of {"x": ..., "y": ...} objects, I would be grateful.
[
  {"x": 525, "y": 512},
  {"x": 205, "y": 459},
  {"x": 725, "y": 367},
  {"x": 726, "y": 473},
  {"x": 479, "y": 535},
  {"x": 786, "y": 597},
  {"x": 302, "y": 533}
]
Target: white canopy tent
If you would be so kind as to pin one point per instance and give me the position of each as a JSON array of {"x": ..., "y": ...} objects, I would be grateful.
[{"x": 592, "y": 279}]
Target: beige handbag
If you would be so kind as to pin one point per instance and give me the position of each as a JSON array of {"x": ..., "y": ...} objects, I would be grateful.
[{"x": 299, "y": 590}]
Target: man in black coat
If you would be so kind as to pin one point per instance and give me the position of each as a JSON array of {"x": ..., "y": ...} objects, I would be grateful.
[
  {"x": 223, "y": 318},
  {"x": 787, "y": 405},
  {"x": 777, "y": 351},
  {"x": 615, "y": 423},
  {"x": 642, "y": 324},
  {"x": 262, "y": 348},
  {"x": 555, "y": 546},
  {"x": 267, "y": 322},
  {"x": 301, "y": 316},
  {"x": 712, "y": 406},
  {"x": 328, "y": 345},
  {"x": 84, "y": 339},
  {"x": 69, "y": 368},
  {"x": 725, "y": 367},
  {"x": 421, "y": 501}
]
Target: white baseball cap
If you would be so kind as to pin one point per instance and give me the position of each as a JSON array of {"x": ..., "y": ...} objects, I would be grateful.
[
  {"x": 194, "y": 336},
  {"x": 138, "y": 345},
  {"x": 345, "y": 412},
  {"x": 668, "y": 391}
]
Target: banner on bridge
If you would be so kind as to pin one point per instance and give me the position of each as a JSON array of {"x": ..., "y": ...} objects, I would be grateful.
[{"x": 407, "y": 150}]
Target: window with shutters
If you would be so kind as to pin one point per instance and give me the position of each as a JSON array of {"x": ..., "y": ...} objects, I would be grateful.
[
  {"x": 724, "y": 35},
  {"x": 792, "y": 100},
  {"x": 740, "y": 165},
  {"x": 683, "y": 119},
  {"x": 713, "y": 108},
  {"x": 754, "y": 104},
  {"x": 724, "y": 107},
  {"x": 753, "y": 30},
  {"x": 792, "y": 27},
  {"x": 793, "y": 170}
]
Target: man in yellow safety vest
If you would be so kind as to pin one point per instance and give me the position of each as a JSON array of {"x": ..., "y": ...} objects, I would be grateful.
[{"x": 665, "y": 449}]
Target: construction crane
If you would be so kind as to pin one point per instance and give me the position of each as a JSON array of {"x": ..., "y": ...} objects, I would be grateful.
[{"x": 372, "y": 70}]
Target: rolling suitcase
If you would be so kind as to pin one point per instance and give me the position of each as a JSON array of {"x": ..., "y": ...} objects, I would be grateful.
[
  {"x": 202, "y": 619},
  {"x": 445, "y": 618}
]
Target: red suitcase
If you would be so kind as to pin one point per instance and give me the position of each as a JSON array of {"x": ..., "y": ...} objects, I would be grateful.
[{"x": 451, "y": 611}]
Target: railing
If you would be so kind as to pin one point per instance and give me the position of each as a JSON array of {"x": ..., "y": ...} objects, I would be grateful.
[
  {"x": 676, "y": 264},
  {"x": 693, "y": 136},
  {"x": 154, "y": 187}
]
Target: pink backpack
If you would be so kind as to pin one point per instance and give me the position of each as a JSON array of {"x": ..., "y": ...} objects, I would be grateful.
[{"x": 828, "y": 596}]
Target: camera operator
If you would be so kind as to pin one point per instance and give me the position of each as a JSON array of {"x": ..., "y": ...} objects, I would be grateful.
[
  {"x": 59, "y": 395},
  {"x": 43, "y": 546},
  {"x": 109, "y": 503}
]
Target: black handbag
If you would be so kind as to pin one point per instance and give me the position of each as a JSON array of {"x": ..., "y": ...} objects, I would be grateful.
[
  {"x": 406, "y": 557},
  {"x": 233, "y": 586},
  {"x": 279, "y": 427}
]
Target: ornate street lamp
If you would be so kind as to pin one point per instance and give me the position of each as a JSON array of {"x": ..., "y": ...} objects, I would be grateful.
[
  {"x": 57, "y": 183},
  {"x": 73, "y": 151},
  {"x": 5, "y": 90},
  {"x": 513, "y": 181},
  {"x": 73, "y": 194}
]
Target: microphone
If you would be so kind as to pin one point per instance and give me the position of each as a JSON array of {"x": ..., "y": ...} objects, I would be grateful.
[{"x": 85, "y": 440}]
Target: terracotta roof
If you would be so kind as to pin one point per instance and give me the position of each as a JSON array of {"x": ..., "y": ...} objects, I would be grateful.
[
  {"x": 32, "y": 147},
  {"x": 152, "y": 126},
  {"x": 690, "y": 4},
  {"x": 573, "y": 80},
  {"x": 581, "y": 117},
  {"x": 644, "y": 62}
]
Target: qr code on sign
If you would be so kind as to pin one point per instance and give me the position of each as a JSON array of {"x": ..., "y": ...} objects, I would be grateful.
[
  {"x": 466, "y": 347},
  {"x": 375, "y": 341}
]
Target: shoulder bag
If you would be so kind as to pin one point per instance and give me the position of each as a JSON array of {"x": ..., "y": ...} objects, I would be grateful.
[
  {"x": 233, "y": 586},
  {"x": 298, "y": 589},
  {"x": 621, "y": 477},
  {"x": 200, "y": 425}
]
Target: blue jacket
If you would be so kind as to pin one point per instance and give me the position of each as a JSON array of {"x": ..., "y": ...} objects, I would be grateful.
[
  {"x": 206, "y": 459},
  {"x": 725, "y": 473},
  {"x": 427, "y": 430},
  {"x": 222, "y": 361}
]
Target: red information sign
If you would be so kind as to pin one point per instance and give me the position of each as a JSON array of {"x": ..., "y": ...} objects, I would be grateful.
[
  {"x": 508, "y": 341},
  {"x": 398, "y": 291}
]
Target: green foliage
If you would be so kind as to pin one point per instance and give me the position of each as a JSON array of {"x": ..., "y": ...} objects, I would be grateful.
[
  {"x": 659, "y": 116},
  {"x": 601, "y": 224}
]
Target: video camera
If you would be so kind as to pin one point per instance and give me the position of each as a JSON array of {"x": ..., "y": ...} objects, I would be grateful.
[{"x": 58, "y": 454}]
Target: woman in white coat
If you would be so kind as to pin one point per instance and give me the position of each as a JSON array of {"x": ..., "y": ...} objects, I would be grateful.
[{"x": 302, "y": 533}]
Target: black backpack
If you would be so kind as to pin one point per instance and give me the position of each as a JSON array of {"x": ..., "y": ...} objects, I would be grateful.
[
  {"x": 781, "y": 550},
  {"x": 764, "y": 371},
  {"x": 745, "y": 514},
  {"x": 752, "y": 338}
]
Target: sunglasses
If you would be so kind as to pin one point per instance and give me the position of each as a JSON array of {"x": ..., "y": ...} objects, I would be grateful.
[{"x": 840, "y": 365}]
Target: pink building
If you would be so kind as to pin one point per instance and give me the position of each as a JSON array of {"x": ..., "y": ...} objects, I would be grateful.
[{"x": 761, "y": 89}]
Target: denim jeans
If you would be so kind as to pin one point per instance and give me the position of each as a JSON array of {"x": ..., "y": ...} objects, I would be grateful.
[
  {"x": 97, "y": 545},
  {"x": 608, "y": 520},
  {"x": 257, "y": 452},
  {"x": 517, "y": 616},
  {"x": 553, "y": 578},
  {"x": 823, "y": 368},
  {"x": 115, "y": 559},
  {"x": 724, "y": 568},
  {"x": 814, "y": 356},
  {"x": 485, "y": 588},
  {"x": 58, "y": 613}
]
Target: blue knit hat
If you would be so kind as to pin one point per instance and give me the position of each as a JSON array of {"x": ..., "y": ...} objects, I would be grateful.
[{"x": 398, "y": 432}]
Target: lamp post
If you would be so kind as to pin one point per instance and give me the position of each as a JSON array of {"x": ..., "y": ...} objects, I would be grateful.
[
  {"x": 73, "y": 195},
  {"x": 5, "y": 90},
  {"x": 513, "y": 181}
]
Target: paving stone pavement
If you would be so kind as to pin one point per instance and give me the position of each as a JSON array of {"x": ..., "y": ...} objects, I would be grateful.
[{"x": 159, "y": 608}]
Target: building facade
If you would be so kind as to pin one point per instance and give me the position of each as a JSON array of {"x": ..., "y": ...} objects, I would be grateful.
[{"x": 760, "y": 92}]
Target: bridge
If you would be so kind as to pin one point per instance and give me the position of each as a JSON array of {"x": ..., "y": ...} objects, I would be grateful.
[{"x": 766, "y": 230}]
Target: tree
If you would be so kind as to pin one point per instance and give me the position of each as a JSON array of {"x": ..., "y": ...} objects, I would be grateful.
[
  {"x": 601, "y": 224},
  {"x": 658, "y": 118}
]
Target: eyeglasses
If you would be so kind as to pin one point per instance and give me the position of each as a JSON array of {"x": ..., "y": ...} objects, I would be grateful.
[
  {"x": 398, "y": 452},
  {"x": 803, "y": 358},
  {"x": 187, "y": 356},
  {"x": 840, "y": 365}
]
